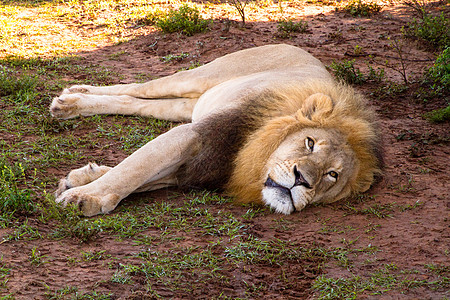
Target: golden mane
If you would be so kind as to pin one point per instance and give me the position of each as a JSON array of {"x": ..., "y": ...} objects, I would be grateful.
[{"x": 320, "y": 104}]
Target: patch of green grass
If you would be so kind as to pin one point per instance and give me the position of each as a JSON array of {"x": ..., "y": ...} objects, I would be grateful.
[
  {"x": 382, "y": 280},
  {"x": 361, "y": 8},
  {"x": 173, "y": 268},
  {"x": 73, "y": 292},
  {"x": 438, "y": 76},
  {"x": 287, "y": 27},
  {"x": 438, "y": 269},
  {"x": 134, "y": 136},
  {"x": 71, "y": 223},
  {"x": 18, "y": 89},
  {"x": 439, "y": 115},
  {"x": 347, "y": 72},
  {"x": 435, "y": 31},
  {"x": 35, "y": 257},
  {"x": 23, "y": 232},
  {"x": 186, "y": 20},
  {"x": 174, "y": 57},
  {"x": 341, "y": 288},
  {"x": 96, "y": 255},
  {"x": 15, "y": 199},
  {"x": 377, "y": 210},
  {"x": 4, "y": 272}
]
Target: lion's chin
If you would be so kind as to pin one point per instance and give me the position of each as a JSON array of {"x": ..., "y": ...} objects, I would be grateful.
[
  {"x": 283, "y": 202},
  {"x": 280, "y": 201}
]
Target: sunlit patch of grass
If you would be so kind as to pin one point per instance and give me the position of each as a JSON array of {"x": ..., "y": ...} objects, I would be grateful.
[{"x": 24, "y": 28}]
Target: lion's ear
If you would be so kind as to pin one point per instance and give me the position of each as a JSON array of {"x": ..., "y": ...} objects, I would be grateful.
[{"x": 317, "y": 106}]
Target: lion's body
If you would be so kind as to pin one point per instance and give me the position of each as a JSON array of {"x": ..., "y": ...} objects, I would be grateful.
[{"x": 249, "y": 114}]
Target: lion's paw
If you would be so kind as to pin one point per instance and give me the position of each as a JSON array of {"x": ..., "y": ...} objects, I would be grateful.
[
  {"x": 80, "y": 177},
  {"x": 65, "y": 106},
  {"x": 89, "y": 204},
  {"x": 78, "y": 89}
]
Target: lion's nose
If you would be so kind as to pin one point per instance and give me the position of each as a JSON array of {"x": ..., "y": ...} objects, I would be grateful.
[{"x": 299, "y": 179}]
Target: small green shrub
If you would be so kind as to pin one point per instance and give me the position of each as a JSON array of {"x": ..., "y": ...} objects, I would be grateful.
[
  {"x": 186, "y": 20},
  {"x": 362, "y": 9},
  {"x": 285, "y": 28},
  {"x": 377, "y": 75},
  {"x": 433, "y": 30},
  {"x": 347, "y": 72},
  {"x": 439, "y": 115},
  {"x": 439, "y": 73}
]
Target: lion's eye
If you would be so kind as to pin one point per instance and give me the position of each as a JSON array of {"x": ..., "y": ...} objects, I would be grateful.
[
  {"x": 309, "y": 144},
  {"x": 333, "y": 174}
]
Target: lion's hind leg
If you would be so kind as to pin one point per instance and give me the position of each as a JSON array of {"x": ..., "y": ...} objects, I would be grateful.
[{"x": 81, "y": 176}]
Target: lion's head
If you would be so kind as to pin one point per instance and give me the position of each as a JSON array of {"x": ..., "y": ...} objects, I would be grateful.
[{"x": 318, "y": 148}]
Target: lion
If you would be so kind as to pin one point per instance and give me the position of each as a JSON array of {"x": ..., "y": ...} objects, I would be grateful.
[{"x": 267, "y": 125}]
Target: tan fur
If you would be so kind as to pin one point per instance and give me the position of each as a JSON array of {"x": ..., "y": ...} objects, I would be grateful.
[{"x": 312, "y": 140}]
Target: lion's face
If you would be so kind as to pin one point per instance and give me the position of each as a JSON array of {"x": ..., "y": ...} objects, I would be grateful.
[
  {"x": 310, "y": 166},
  {"x": 323, "y": 152}
]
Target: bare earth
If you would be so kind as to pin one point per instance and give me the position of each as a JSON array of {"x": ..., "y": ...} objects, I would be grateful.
[{"x": 405, "y": 217}]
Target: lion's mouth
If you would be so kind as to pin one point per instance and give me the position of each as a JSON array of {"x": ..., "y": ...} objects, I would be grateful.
[{"x": 284, "y": 190}]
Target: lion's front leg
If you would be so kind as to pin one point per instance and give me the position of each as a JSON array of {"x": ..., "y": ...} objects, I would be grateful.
[{"x": 157, "y": 160}]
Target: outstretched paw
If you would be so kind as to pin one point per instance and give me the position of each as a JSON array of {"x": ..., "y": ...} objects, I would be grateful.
[
  {"x": 78, "y": 89},
  {"x": 80, "y": 177},
  {"x": 65, "y": 106},
  {"x": 89, "y": 204}
]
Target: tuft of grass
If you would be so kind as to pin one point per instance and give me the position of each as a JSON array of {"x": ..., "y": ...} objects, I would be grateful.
[
  {"x": 435, "y": 31},
  {"x": 96, "y": 255},
  {"x": 186, "y": 20},
  {"x": 341, "y": 288},
  {"x": 362, "y": 9},
  {"x": 15, "y": 200},
  {"x": 287, "y": 27},
  {"x": 16, "y": 88},
  {"x": 35, "y": 257},
  {"x": 4, "y": 272}
]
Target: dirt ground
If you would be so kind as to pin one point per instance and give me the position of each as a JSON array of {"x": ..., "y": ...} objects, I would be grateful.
[{"x": 404, "y": 218}]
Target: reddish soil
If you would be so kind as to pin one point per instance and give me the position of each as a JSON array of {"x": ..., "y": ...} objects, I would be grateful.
[{"x": 413, "y": 197}]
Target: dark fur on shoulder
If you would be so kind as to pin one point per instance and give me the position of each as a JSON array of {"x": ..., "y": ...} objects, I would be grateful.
[{"x": 222, "y": 135}]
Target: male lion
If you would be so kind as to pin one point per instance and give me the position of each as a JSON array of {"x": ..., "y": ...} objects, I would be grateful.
[{"x": 268, "y": 124}]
